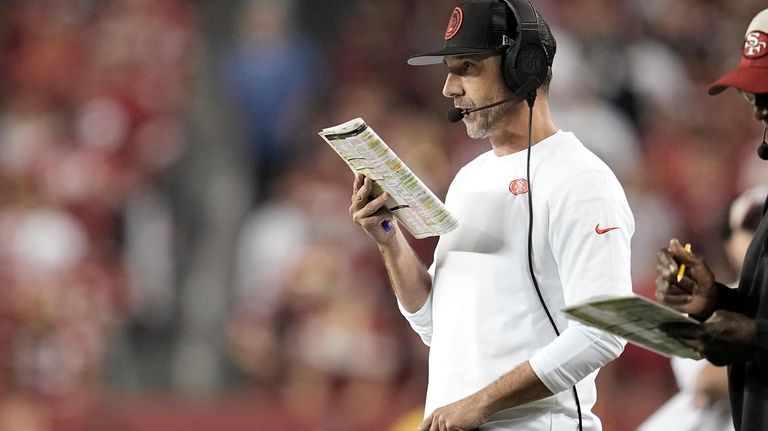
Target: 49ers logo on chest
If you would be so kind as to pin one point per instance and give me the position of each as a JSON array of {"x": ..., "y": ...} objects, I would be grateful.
[{"x": 518, "y": 186}]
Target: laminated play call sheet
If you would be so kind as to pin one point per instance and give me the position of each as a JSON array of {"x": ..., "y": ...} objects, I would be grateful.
[{"x": 411, "y": 202}]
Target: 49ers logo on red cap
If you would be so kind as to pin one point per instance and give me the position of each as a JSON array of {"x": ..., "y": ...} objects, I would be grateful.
[
  {"x": 454, "y": 23},
  {"x": 518, "y": 186},
  {"x": 755, "y": 45}
]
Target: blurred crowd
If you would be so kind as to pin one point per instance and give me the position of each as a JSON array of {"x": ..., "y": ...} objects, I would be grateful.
[
  {"x": 92, "y": 116},
  {"x": 173, "y": 230}
]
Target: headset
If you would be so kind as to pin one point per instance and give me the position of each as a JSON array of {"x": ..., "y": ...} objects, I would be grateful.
[
  {"x": 525, "y": 63},
  {"x": 525, "y": 56}
]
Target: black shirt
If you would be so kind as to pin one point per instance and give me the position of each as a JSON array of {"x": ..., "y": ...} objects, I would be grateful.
[{"x": 748, "y": 382}]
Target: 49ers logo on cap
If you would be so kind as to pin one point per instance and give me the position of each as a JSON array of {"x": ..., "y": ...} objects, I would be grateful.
[
  {"x": 454, "y": 23},
  {"x": 518, "y": 186},
  {"x": 755, "y": 45}
]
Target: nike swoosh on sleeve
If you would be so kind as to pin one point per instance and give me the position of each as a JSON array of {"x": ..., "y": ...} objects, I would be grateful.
[{"x": 602, "y": 231}]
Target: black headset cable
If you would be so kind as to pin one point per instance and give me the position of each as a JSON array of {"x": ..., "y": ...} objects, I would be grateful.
[{"x": 531, "y": 99}]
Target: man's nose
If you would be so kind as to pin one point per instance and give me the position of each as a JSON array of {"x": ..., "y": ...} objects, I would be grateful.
[{"x": 452, "y": 87}]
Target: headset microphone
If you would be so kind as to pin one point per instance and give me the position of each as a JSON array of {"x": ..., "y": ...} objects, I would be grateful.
[
  {"x": 455, "y": 115},
  {"x": 762, "y": 150}
]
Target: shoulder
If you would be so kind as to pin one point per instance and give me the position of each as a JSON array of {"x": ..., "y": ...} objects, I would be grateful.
[
  {"x": 568, "y": 168},
  {"x": 570, "y": 154},
  {"x": 565, "y": 160}
]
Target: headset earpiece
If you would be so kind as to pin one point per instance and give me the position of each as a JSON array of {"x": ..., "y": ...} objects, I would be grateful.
[{"x": 525, "y": 56}]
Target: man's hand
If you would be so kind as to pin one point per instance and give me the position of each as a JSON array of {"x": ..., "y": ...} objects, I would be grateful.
[
  {"x": 696, "y": 292},
  {"x": 464, "y": 415},
  {"x": 725, "y": 338},
  {"x": 371, "y": 215}
]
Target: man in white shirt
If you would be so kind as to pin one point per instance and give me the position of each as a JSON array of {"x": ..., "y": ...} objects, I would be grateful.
[{"x": 502, "y": 355}]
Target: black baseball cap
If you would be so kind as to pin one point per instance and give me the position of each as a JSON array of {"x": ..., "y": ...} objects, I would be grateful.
[{"x": 478, "y": 27}]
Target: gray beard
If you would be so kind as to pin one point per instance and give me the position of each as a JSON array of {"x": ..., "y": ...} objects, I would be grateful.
[{"x": 481, "y": 126}]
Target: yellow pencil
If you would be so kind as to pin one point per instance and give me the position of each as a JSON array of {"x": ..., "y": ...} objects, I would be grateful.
[{"x": 681, "y": 271}]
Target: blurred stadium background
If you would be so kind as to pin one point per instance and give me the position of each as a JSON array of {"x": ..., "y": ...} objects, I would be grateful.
[{"x": 175, "y": 247}]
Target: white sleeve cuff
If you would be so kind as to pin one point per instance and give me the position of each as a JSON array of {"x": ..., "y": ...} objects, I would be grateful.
[
  {"x": 576, "y": 353},
  {"x": 421, "y": 319}
]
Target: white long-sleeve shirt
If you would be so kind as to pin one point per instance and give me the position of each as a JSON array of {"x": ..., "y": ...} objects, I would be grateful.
[{"x": 483, "y": 317}]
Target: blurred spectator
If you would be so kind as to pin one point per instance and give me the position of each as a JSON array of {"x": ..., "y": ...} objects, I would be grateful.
[
  {"x": 310, "y": 318},
  {"x": 273, "y": 73}
]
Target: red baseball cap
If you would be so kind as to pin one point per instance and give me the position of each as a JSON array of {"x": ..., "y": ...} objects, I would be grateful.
[{"x": 752, "y": 74}]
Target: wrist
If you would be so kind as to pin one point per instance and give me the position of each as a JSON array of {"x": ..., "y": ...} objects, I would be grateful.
[
  {"x": 711, "y": 302},
  {"x": 392, "y": 245},
  {"x": 487, "y": 403}
]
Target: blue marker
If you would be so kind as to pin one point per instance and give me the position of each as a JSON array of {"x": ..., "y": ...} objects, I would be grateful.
[{"x": 386, "y": 225}]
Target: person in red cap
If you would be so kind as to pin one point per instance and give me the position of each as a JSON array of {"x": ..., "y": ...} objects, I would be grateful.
[
  {"x": 734, "y": 331},
  {"x": 543, "y": 223}
]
